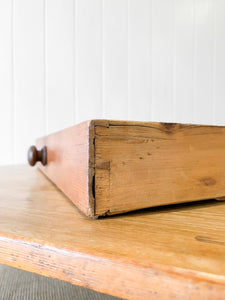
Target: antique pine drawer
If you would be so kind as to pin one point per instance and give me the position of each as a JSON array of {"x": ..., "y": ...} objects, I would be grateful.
[{"x": 109, "y": 167}]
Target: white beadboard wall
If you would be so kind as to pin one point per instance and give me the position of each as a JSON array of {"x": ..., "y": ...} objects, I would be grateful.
[{"x": 66, "y": 61}]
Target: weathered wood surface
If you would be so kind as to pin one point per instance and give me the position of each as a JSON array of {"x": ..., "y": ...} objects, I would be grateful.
[
  {"x": 110, "y": 167},
  {"x": 70, "y": 164},
  {"x": 175, "y": 252},
  {"x": 150, "y": 164}
]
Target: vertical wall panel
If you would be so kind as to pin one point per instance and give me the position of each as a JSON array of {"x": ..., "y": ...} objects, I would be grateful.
[
  {"x": 59, "y": 37},
  {"x": 162, "y": 60},
  {"x": 6, "y": 91},
  {"x": 184, "y": 60},
  {"x": 88, "y": 61},
  {"x": 139, "y": 59},
  {"x": 28, "y": 60},
  {"x": 219, "y": 60},
  {"x": 115, "y": 59},
  {"x": 203, "y": 106},
  {"x": 65, "y": 61}
]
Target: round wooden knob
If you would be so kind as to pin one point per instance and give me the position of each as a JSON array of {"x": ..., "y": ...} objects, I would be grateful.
[{"x": 35, "y": 155}]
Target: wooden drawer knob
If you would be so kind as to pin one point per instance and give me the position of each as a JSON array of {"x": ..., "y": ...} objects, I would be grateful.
[{"x": 35, "y": 155}]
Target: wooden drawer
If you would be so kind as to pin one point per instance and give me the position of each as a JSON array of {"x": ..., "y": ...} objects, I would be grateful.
[{"x": 110, "y": 167}]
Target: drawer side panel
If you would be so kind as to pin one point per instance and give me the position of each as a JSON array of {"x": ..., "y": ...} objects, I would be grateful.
[{"x": 69, "y": 157}]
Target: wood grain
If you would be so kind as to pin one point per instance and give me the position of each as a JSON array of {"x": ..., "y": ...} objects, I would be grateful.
[
  {"x": 110, "y": 167},
  {"x": 175, "y": 252},
  {"x": 144, "y": 164},
  {"x": 70, "y": 164}
]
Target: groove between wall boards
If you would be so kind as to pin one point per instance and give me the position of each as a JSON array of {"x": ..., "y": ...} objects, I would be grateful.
[{"x": 73, "y": 60}]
